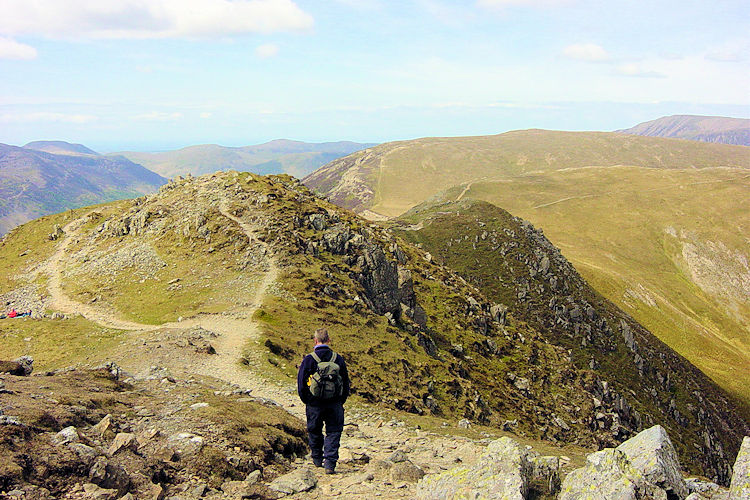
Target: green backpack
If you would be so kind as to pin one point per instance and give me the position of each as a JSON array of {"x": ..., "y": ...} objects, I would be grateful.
[{"x": 326, "y": 383}]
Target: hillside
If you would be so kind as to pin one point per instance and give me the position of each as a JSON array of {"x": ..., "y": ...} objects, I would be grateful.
[
  {"x": 655, "y": 225},
  {"x": 697, "y": 128},
  {"x": 275, "y": 157},
  {"x": 35, "y": 183},
  {"x": 60, "y": 148},
  {"x": 252, "y": 265}
]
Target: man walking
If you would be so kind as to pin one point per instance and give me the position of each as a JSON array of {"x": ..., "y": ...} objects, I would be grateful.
[{"x": 323, "y": 385}]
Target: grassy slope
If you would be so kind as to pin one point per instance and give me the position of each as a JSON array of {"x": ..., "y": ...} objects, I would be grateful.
[
  {"x": 612, "y": 226},
  {"x": 608, "y": 219}
]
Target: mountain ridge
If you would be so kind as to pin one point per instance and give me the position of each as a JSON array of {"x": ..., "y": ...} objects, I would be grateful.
[
  {"x": 35, "y": 183},
  {"x": 273, "y": 157},
  {"x": 652, "y": 223},
  {"x": 60, "y": 147},
  {"x": 717, "y": 129}
]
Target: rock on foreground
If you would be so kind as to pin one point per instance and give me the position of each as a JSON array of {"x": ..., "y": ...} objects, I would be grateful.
[{"x": 643, "y": 468}]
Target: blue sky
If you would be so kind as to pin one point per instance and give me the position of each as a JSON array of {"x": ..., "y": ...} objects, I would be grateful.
[{"x": 160, "y": 74}]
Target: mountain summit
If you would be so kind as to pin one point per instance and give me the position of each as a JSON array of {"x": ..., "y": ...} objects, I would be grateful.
[
  {"x": 60, "y": 148},
  {"x": 697, "y": 128}
]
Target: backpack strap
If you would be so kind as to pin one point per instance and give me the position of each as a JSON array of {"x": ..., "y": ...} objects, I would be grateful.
[
  {"x": 333, "y": 357},
  {"x": 315, "y": 357}
]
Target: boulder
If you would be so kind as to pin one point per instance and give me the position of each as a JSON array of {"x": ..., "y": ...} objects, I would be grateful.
[
  {"x": 740, "y": 485},
  {"x": 93, "y": 492},
  {"x": 238, "y": 489},
  {"x": 185, "y": 443},
  {"x": 503, "y": 471},
  {"x": 607, "y": 475},
  {"x": 87, "y": 454},
  {"x": 406, "y": 471},
  {"x": 66, "y": 436},
  {"x": 109, "y": 476},
  {"x": 104, "y": 427},
  {"x": 27, "y": 364},
  {"x": 651, "y": 453},
  {"x": 123, "y": 441},
  {"x": 299, "y": 480}
]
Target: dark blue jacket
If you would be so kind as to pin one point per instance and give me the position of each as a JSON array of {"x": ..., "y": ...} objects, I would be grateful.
[{"x": 309, "y": 366}]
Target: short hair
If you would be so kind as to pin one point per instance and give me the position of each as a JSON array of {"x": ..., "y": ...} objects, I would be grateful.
[{"x": 321, "y": 335}]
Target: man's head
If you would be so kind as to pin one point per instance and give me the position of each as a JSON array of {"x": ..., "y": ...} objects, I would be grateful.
[{"x": 321, "y": 336}]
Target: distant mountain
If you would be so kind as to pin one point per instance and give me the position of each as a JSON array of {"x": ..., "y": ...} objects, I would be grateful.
[
  {"x": 35, "y": 183},
  {"x": 697, "y": 128},
  {"x": 280, "y": 156},
  {"x": 60, "y": 148}
]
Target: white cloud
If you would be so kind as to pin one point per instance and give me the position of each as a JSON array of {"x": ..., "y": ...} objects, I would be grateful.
[
  {"x": 150, "y": 18},
  {"x": 11, "y": 49},
  {"x": 499, "y": 4},
  {"x": 266, "y": 50},
  {"x": 159, "y": 116},
  {"x": 47, "y": 117},
  {"x": 637, "y": 70},
  {"x": 586, "y": 52},
  {"x": 735, "y": 51}
]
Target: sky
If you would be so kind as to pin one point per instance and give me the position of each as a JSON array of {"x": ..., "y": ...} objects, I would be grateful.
[{"x": 162, "y": 74}]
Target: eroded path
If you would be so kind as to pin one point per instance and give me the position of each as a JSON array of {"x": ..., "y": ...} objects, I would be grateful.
[{"x": 234, "y": 331}]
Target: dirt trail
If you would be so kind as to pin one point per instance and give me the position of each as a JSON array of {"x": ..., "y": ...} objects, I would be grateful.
[
  {"x": 466, "y": 190},
  {"x": 61, "y": 302},
  {"x": 234, "y": 330}
]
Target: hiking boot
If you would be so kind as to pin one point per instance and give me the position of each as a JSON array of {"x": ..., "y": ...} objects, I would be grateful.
[
  {"x": 330, "y": 470},
  {"x": 317, "y": 462}
]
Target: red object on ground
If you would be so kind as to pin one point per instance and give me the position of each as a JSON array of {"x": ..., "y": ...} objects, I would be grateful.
[{"x": 12, "y": 314}]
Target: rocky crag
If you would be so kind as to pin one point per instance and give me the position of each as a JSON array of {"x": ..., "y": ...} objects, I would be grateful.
[
  {"x": 635, "y": 380},
  {"x": 262, "y": 261}
]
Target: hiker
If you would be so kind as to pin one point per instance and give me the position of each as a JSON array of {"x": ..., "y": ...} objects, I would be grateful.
[{"x": 323, "y": 385}]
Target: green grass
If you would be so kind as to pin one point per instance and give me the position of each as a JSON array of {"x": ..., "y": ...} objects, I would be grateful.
[
  {"x": 55, "y": 344},
  {"x": 616, "y": 238}
]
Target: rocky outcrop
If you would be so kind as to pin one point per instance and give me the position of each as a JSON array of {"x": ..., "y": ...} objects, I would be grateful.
[
  {"x": 505, "y": 470},
  {"x": 642, "y": 467},
  {"x": 740, "y": 485},
  {"x": 608, "y": 475},
  {"x": 630, "y": 379},
  {"x": 652, "y": 454}
]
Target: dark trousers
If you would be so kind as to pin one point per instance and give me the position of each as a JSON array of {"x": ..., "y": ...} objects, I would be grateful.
[{"x": 333, "y": 418}]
